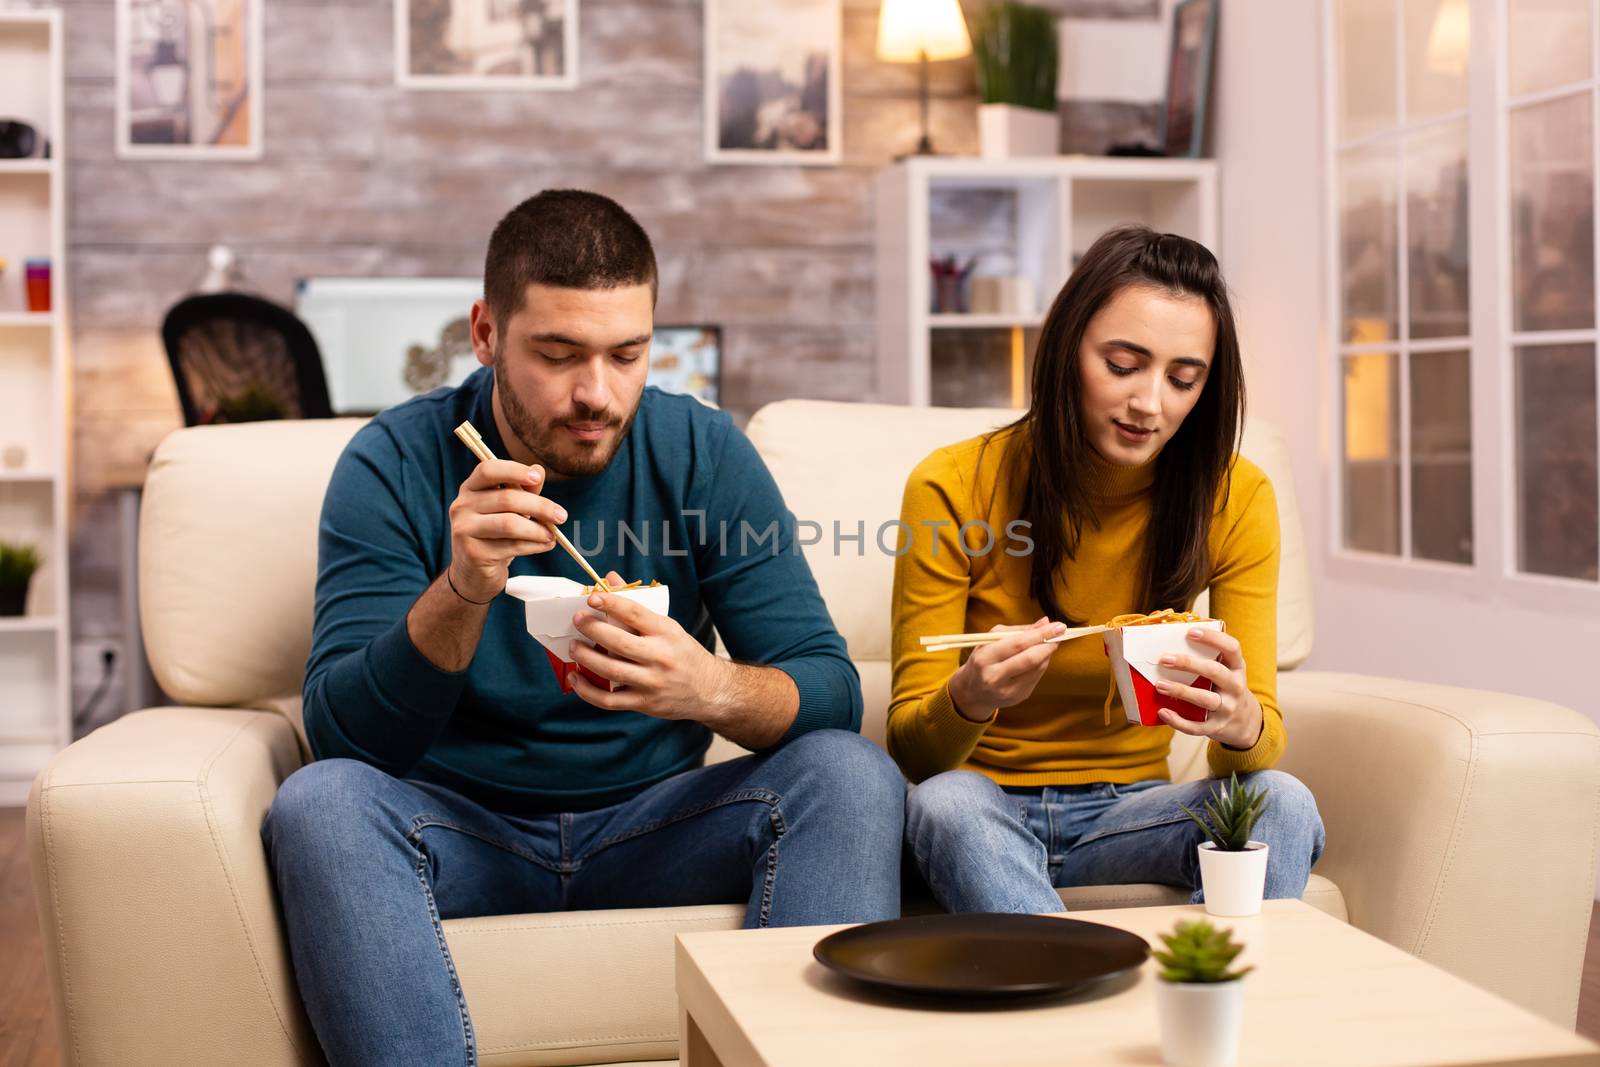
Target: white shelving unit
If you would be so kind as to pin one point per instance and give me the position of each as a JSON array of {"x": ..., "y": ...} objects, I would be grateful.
[
  {"x": 1029, "y": 218},
  {"x": 35, "y": 668}
]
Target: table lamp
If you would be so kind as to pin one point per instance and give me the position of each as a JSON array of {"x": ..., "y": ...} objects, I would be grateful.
[{"x": 920, "y": 31}]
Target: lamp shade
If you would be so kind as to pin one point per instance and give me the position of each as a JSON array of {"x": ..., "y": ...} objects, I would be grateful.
[{"x": 908, "y": 29}]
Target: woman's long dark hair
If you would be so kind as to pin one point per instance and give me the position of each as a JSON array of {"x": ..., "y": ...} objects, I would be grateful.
[{"x": 1192, "y": 469}]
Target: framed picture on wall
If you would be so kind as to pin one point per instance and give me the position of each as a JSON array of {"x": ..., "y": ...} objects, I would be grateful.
[
  {"x": 687, "y": 359},
  {"x": 188, "y": 82},
  {"x": 486, "y": 44},
  {"x": 772, "y": 81},
  {"x": 1194, "y": 35}
]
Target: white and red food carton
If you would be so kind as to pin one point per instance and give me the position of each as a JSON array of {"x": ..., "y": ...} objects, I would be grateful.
[
  {"x": 1135, "y": 653},
  {"x": 550, "y": 603}
]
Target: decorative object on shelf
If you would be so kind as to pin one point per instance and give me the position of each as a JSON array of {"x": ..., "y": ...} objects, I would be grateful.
[
  {"x": 922, "y": 32},
  {"x": 1001, "y": 295},
  {"x": 687, "y": 359},
  {"x": 189, "y": 79},
  {"x": 36, "y": 275},
  {"x": 1199, "y": 997},
  {"x": 17, "y": 139},
  {"x": 428, "y": 367},
  {"x": 14, "y": 457},
  {"x": 486, "y": 44},
  {"x": 17, "y": 566},
  {"x": 222, "y": 271},
  {"x": 772, "y": 81},
  {"x": 1016, "y": 50},
  {"x": 1194, "y": 34},
  {"x": 1233, "y": 868},
  {"x": 949, "y": 284}
]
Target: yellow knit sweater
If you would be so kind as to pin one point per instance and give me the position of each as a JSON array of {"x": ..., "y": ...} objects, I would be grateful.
[{"x": 1058, "y": 736}]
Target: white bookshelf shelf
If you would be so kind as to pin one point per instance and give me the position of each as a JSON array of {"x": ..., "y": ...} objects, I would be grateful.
[
  {"x": 27, "y": 166},
  {"x": 43, "y": 319},
  {"x": 970, "y": 321},
  {"x": 29, "y": 624},
  {"x": 1035, "y": 219},
  {"x": 35, "y": 660}
]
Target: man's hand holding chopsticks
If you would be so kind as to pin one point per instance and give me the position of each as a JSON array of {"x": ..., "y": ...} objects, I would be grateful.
[
  {"x": 497, "y": 516},
  {"x": 660, "y": 668}
]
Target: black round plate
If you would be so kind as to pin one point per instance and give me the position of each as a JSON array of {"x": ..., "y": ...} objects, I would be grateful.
[{"x": 982, "y": 955}]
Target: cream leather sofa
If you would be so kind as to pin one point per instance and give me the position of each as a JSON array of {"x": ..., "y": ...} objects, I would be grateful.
[{"x": 1461, "y": 825}]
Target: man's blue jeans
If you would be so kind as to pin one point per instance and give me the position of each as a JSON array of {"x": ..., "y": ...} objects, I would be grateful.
[
  {"x": 367, "y": 865},
  {"x": 981, "y": 847}
]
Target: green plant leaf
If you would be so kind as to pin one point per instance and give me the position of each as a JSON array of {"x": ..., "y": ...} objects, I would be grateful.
[
  {"x": 18, "y": 563},
  {"x": 1014, "y": 46}
]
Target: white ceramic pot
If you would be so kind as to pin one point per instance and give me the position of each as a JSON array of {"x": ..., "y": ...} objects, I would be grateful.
[
  {"x": 1006, "y": 131},
  {"x": 1200, "y": 1022},
  {"x": 1233, "y": 881}
]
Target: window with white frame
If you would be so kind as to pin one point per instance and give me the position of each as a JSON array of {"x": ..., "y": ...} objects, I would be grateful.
[
  {"x": 1403, "y": 269},
  {"x": 1549, "y": 332}
]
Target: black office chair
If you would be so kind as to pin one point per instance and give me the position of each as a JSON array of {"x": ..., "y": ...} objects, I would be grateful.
[{"x": 239, "y": 358}]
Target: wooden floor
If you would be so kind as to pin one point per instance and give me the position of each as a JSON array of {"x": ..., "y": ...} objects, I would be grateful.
[{"x": 27, "y": 1029}]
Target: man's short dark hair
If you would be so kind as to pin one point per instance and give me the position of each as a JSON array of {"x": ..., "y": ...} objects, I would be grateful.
[{"x": 569, "y": 239}]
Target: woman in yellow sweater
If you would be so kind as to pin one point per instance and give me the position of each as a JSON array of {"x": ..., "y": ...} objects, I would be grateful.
[{"x": 1119, "y": 491}]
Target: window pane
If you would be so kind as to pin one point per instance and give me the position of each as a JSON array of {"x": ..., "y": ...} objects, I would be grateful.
[
  {"x": 1441, "y": 456},
  {"x": 1436, "y": 57},
  {"x": 1367, "y": 97},
  {"x": 1556, "y": 495},
  {"x": 1372, "y": 454},
  {"x": 1368, "y": 178},
  {"x": 1437, "y": 231},
  {"x": 1552, "y": 215},
  {"x": 1549, "y": 44}
]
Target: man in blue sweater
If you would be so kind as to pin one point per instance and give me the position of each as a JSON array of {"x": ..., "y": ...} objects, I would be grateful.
[{"x": 453, "y": 777}]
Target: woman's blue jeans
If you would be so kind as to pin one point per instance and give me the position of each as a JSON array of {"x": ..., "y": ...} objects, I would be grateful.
[
  {"x": 367, "y": 865},
  {"x": 981, "y": 847}
]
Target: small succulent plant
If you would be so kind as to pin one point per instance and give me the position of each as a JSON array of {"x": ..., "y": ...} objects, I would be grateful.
[
  {"x": 17, "y": 564},
  {"x": 1231, "y": 812},
  {"x": 1199, "y": 952}
]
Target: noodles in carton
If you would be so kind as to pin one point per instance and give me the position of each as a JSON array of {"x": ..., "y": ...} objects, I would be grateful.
[
  {"x": 550, "y": 603},
  {"x": 1135, "y": 645}
]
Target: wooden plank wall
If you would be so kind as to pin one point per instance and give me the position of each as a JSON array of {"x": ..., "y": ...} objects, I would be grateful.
[{"x": 362, "y": 178}]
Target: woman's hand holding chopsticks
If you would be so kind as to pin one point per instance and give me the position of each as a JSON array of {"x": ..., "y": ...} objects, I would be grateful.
[
  {"x": 1004, "y": 672},
  {"x": 497, "y": 516}
]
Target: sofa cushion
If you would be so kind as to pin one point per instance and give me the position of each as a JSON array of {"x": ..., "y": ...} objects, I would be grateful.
[{"x": 228, "y": 556}]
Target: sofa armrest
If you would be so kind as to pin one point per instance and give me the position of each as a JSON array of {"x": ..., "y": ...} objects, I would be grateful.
[
  {"x": 1461, "y": 824},
  {"x": 162, "y": 940}
]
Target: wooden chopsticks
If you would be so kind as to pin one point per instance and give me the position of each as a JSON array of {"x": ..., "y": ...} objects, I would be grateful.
[
  {"x": 470, "y": 437},
  {"x": 945, "y": 642}
]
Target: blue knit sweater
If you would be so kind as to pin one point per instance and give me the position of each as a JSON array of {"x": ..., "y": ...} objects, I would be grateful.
[{"x": 501, "y": 732}]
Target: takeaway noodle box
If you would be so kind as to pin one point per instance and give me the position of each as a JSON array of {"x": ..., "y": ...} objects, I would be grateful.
[
  {"x": 1135, "y": 653},
  {"x": 549, "y": 605}
]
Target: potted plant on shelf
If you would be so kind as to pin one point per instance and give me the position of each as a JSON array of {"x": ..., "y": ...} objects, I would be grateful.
[
  {"x": 1014, "y": 46},
  {"x": 1233, "y": 868},
  {"x": 1199, "y": 999},
  {"x": 17, "y": 564}
]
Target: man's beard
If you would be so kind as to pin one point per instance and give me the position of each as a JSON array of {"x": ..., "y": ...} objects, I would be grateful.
[{"x": 566, "y": 459}]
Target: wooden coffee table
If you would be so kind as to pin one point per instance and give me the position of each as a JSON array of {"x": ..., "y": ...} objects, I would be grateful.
[{"x": 1324, "y": 993}]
